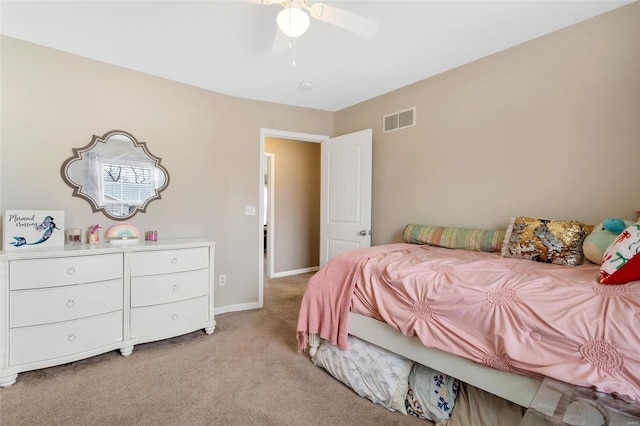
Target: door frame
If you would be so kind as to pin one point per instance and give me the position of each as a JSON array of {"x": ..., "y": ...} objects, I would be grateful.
[
  {"x": 270, "y": 160},
  {"x": 281, "y": 134}
]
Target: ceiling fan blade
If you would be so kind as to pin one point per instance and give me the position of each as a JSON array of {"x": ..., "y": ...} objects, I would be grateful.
[
  {"x": 280, "y": 44},
  {"x": 343, "y": 19}
]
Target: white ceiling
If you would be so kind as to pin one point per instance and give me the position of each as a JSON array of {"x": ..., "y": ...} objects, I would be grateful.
[{"x": 225, "y": 46}]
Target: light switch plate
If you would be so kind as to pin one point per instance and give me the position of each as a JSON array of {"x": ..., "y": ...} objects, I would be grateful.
[{"x": 250, "y": 210}]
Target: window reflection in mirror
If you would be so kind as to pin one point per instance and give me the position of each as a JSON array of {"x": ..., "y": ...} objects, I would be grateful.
[{"x": 116, "y": 174}]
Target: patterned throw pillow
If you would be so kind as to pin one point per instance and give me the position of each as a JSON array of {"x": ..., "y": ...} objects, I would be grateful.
[
  {"x": 371, "y": 371},
  {"x": 621, "y": 260},
  {"x": 454, "y": 238},
  {"x": 431, "y": 394},
  {"x": 548, "y": 241}
]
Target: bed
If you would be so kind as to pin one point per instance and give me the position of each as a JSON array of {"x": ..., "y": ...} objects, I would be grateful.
[{"x": 494, "y": 309}]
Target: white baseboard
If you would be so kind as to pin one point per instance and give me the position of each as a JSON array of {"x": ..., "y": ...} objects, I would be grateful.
[
  {"x": 295, "y": 272},
  {"x": 235, "y": 308},
  {"x": 219, "y": 310}
]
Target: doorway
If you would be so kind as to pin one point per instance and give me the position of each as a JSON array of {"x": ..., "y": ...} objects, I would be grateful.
[{"x": 272, "y": 222}]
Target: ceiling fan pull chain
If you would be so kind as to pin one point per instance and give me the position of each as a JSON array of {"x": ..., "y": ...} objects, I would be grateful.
[{"x": 293, "y": 43}]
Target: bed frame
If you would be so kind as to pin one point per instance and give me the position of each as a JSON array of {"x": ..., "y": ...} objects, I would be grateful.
[{"x": 510, "y": 386}]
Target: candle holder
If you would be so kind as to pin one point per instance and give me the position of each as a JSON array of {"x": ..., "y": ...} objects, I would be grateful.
[{"x": 74, "y": 236}]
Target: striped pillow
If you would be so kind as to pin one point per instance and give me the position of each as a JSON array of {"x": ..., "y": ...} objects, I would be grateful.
[{"x": 455, "y": 238}]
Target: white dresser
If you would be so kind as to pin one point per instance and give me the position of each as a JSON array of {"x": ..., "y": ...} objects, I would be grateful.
[{"x": 62, "y": 304}]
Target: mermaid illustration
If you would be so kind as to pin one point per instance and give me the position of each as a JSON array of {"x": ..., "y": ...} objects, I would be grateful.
[{"x": 48, "y": 226}]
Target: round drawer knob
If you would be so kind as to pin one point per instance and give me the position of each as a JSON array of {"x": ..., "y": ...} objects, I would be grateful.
[
  {"x": 174, "y": 317},
  {"x": 176, "y": 287},
  {"x": 174, "y": 261},
  {"x": 71, "y": 303},
  {"x": 71, "y": 270},
  {"x": 72, "y": 337}
]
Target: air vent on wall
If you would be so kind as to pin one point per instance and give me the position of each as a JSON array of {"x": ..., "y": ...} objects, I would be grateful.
[{"x": 399, "y": 120}]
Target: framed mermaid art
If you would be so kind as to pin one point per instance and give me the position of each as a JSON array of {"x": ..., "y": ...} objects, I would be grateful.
[{"x": 32, "y": 228}]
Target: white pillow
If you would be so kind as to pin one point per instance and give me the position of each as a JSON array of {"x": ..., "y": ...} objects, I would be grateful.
[
  {"x": 372, "y": 372},
  {"x": 432, "y": 394}
]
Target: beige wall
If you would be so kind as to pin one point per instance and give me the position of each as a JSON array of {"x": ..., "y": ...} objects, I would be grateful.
[
  {"x": 550, "y": 128},
  {"x": 297, "y": 204},
  {"x": 210, "y": 144}
]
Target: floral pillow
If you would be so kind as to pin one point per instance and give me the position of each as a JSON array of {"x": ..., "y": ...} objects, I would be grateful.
[
  {"x": 548, "y": 241},
  {"x": 431, "y": 394},
  {"x": 621, "y": 260}
]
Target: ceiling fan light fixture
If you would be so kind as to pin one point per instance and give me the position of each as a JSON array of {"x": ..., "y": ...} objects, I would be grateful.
[{"x": 293, "y": 22}]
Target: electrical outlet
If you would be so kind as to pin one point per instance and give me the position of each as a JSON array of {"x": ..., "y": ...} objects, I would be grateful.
[
  {"x": 222, "y": 280},
  {"x": 250, "y": 210}
]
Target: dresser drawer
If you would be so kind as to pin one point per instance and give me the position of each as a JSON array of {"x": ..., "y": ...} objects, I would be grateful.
[
  {"x": 168, "y": 261},
  {"x": 42, "y": 342},
  {"x": 41, "y": 306},
  {"x": 40, "y": 273},
  {"x": 156, "y": 289},
  {"x": 169, "y": 317}
]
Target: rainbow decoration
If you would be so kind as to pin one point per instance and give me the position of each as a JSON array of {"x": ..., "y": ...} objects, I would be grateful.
[{"x": 123, "y": 231}]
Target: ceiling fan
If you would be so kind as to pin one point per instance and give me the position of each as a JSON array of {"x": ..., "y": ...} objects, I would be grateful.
[{"x": 293, "y": 21}]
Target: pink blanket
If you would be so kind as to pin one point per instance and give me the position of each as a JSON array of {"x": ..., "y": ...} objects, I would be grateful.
[
  {"x": 327, "y": 300},
  {"x": 514, "y": 315}
]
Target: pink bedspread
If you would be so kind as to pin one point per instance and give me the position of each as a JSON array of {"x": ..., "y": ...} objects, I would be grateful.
[{"x": 514, "y": 315}]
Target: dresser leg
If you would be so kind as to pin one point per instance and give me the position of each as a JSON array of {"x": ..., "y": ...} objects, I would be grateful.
[
  {"x": 126, "y": 351},
  {"x": 7, "y": 381},
  {"x": 209, "y": 330}
]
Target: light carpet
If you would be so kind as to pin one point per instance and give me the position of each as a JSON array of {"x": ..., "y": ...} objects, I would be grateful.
[{"x": 247, "y": 373}]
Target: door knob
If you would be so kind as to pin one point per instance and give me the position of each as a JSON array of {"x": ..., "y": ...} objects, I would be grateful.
[{"x": 363, "y": 233}]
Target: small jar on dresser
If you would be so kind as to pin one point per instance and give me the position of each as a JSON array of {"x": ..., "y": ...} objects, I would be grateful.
[{"x": 66, "y": 303}]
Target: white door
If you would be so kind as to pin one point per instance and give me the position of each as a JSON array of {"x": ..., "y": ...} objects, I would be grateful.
[{"x": 345, "y": 217}]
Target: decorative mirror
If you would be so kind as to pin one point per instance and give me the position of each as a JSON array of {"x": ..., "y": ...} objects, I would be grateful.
[{"x": 116, "y": 174}]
